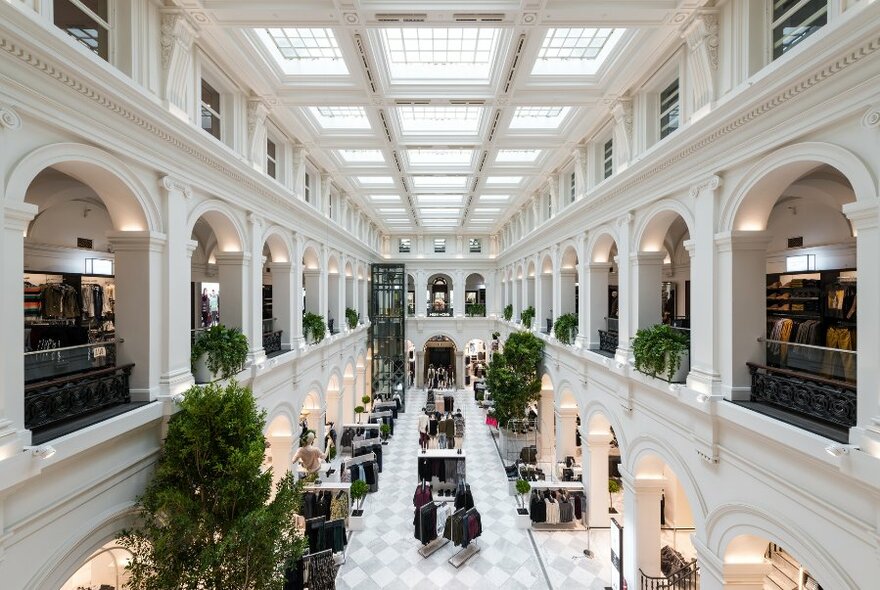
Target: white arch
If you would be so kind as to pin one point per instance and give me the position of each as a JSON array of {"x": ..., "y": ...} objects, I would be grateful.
[
  {"x": 600, "y": 242},
  {"x": 278, "y": 241},
  {"x": 224, "y": 223},
  {"x": 655, "y": 222}
]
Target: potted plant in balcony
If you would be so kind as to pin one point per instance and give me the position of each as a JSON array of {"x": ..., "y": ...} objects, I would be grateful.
[
  {"x": 359, "y": 490},
  {"x": 522, "y": 514},
  {"x": 314, "y": 328},
  {"x": 351, "y": 318},
  {"x": 565, "y": 328},
  {"x": 507, "y": 314},
  {"x": 527, "y": 315},
  {"x": 660, "y": 351},
  {"x": 218, "y": 353}
]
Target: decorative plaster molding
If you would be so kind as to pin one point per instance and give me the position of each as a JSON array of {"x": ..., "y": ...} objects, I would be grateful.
[
  {"x": 871, "y": 118},
  {"x": 175, "y": 30},
  {"x": 710, "y": 184},
  {"x": 703, "y": 31},
  {"x": 170, "y": 184},
  {"x": 9, "y": 119}
]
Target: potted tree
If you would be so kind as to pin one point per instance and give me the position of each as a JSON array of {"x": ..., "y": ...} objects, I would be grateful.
[
  {"x": 614, "y": 487},
  {"x": 218, "y": 353},
  {"x": 207, "y": 518},
  {"x": 366, "y": 400},
  {"x": 527, "y": 315},
  {"x": 351, "y": 318},
  {"x": 522, "y": 513},
  {"x": 384, "y": 431},
  {"x": 507, "y": 314},
  {"x": 359, "y": 490},
  {"x": 358, "y": 410},
  {"x": 661, "y": 351},
  {"x": 314, "y": 328},
  {"x": 565, "y": 328}
]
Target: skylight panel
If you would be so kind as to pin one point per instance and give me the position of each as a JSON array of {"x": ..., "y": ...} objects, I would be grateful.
[
  {"x": 384, "y": 198},
  {"x": 487, "y": 209},
  {"x": 440, "y": 181},
  {"x": 440, "y": 119},
  {"x": 440, "y": 157},
  {"x": 392, "y": 210},
  {"x": 343, "y": 117},
  {"x": 439, "y": 222},
  {"x": 375, "y": 180},
  {"x": 361, "y": 156},
  {"x": 438, "y": 55},
  {"x": 440, "y": 199},
  {"x": 439, "y": 211},
  {"x": 494, "y": 198},
  {"x": 517, "y": 156},
  {"x": 575, "y": 51},
  {"x": 296, "y": 43},
  {"x": 537, "y": 117},
  {"x": 504, "y": 179}
]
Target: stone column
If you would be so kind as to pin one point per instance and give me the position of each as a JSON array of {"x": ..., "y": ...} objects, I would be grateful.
[
  {"x": 254, "y": 301},
  {"x": 233, "y": 277},
  {"x": 312, "y": 283},
  {"x": 459, "y": 369},
  {"x": 297, "y": 306},
  {"x": 580, "y": 171},
  {"x": 641, "y": 529},
  {"x": 458, "y": 293},
  {"x": 299, "y": 174},
  {"x": 566, "y": 427},
  {"x": 283, "y": 301},
  {"x": 701, "y": 35},
  {"x": 16, "y": 217},
  {"x": 420, "y": 368},
  {"x": 175, "y": 291},
  {"x": 595, "y": 465},
  {"x": 281, "y": 449},
  {"x": 647, "y": 274},
  {"x": 421, "y": 299},
  {"x": 546, "y": 428},
  {"x": 742, "y": 303},
  {"x": 362, "y": 387},
  {"x": 137, "y": 309},
  {"x": 595, "y": 297},
  {"x": 624, "y": 286},
  {"x": 567, "y": 279}
]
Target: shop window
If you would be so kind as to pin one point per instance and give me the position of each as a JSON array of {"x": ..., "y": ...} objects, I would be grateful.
[
  {"x": 404, "y": 245},
  {"x": 475, "y": 245},
  {"x": 608, "y": 159},
  {"x": 439, "y": 245},
  {"x": 271, "y": 159},
  {"x": 800, "y": 263},
  {"x": 87, "y": 21},
  {"x": 210, "y": 109},
  {"x": 669, "y": 109},
  {"x": 794, "y": 21}
]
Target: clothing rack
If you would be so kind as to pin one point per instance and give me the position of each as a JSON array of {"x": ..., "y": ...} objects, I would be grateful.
[
  {"x": 433, "y": 546},
  {"x": 466, "y": 552},
  {"x": 367, "y": 442},
  {"x": 348, "y": 462}
]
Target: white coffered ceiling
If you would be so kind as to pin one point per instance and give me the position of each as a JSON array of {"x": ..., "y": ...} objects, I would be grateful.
[{"x": 446, "y": 115}]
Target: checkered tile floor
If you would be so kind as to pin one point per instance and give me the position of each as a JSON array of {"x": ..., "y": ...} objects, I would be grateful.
[{"x": 385, "y": 555}]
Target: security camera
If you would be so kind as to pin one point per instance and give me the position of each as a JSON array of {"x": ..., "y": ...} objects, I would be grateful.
[{"x": 43, "y": 451}]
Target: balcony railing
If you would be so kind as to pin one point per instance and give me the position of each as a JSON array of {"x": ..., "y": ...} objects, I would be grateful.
[
  {"x": 475, "y": 310},
  {"x": 272, "y": 342},
  {"x": 439, "y": 313},
  {"x": 687, "y": 578},
  {"x": 42, "y": 365}
]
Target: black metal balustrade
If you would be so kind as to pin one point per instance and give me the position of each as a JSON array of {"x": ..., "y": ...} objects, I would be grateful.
[
  {"x": 608, "y": 341},
  {"x": 49, "y": 402},
  {"x": 687, "y": 578},
  {"x": 826, "y": 400},
  {"x": 272, "y": 342}
]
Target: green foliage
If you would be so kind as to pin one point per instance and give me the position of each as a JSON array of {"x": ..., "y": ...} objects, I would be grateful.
[
  {"x": 384, "y": 430},
  {"x": 614, "y": 486},
  {"x": 653, "y": 346},
  {"x": 475, "y": 310},
  {"x": 226, "y": 350},
  {"x": 359, "y": 489},
  {"x": 513, "y": 376},
  {"x": 359, "y": 410},
  {"x": 566, "y": 327},
  {"x": 523, "y": 487},
  {"x": 314, "y": 326},
  {"x": 331, "y": 453},
  {"x": 352, "y": 317},
  {"x": 527, "y": 315},
  {"x": 508, "y": 312},
  {"x": 206, "y": 518}
]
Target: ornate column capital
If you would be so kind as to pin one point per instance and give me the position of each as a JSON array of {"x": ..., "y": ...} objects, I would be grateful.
[
  {"x": 169, "y": 183},
  {"x": 703, "y": 30},
  {"x": 708, "y": 184},
  {"x": 9, "y": 119}
]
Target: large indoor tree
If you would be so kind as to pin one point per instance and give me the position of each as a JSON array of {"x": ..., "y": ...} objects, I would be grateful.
[
  {"x": 208, "y": 521},
  {"x": 513, "y": 376}
]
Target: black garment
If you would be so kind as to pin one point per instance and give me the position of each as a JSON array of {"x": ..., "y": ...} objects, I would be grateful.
[
  {"x": 424, "y": 468},
  {"x": 315, "y": 533},
  {"x": 334, "y": 535},
  {"x": 448, "y": 402},
  {"x": 370, "y": 472},
  {"x": 426, "y": 523},
  {"x": 537, "y": 508},
  {"x": 464, "y": 498},
  {"x": 432, "y": 426}
]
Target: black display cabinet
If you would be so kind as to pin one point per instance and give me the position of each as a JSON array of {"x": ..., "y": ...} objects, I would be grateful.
[{"x": 388, "y": 332}]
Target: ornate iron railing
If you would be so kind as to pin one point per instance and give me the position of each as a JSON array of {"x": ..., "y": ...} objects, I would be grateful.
[
  {"x": 608, "y": 341},
  {"x": 824, "y": 399},
  {"x": 446, "y": 313},
  {"x": 49, "y": 402},
  {"x": 272, "y": 342},
  {"x": 687, "y": 578}
]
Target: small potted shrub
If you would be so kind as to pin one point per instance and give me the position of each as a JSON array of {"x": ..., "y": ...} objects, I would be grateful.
[
  {"x": 358, "y": 410},
  {"x": 359, "y": 490},
  {"x": 351, "y": 318},
  {"x": 366, "y": 400},
  {"x": 660, "y": 351},
  {"x": 314, "y": 328},
  {"x": 566, "y": 327},
  {"x": 384, "y": 431},
  {"x": 522, "y": 514},
  {"x": 218, "y": 353},
  {"x": 527, "y": 315},
  {"x": 507, "y": 314},
  {"x": 614, "y": 487}
]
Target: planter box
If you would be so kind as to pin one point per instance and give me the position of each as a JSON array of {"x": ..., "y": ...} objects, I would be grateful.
[
  {"x": 357, "y": 521},
  {"x": 201, "y": 372},
  {"x": 522, "y": 518},
  {"x": 683, "y": 369}
]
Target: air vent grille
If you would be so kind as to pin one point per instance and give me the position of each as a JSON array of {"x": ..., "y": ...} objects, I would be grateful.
[
  {"x": 367, "y": 70},
  {"x": 494, "y": 125},
  {"x": 479, "y": 18},
  {"x": 514, "y": 62},
  {"x": 385, "y": 124},
  {"x": 483, "y": 161},
  {"x": 402, "y": 17}
]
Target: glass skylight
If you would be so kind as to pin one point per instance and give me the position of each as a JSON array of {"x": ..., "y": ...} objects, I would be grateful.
[
  {"x": 375, "y": 180},
  {"x": 516, "y": 156},
  {"x": 481, "y": 221},
  {"x": 340, "y": 117},
  {"x": 440, "y": 221},
  {"x": 495, "y": 198},
  {"x": 439, "y": 211},
  {"x": 440, "y": 199},
  {"x": 317, "y": 43},
  {"x": 361, "y": 156},
  {"x": 440, "y": 157},
  {"x": 440, "y": 181},
  {"x": 384, "y": 198},
  {"x": 437, "y": 55},
  {"x": 504, "y": 179},
  {"x": 575, "y": 51},
  {"x": 539, "y": 117},
  {"x": 442, "y": 119},
  {"x": 487, "y": 209},
  {"x": 392, "y": 210}
]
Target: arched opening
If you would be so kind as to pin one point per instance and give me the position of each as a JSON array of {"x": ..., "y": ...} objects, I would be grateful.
[
  {"x": 104, "y": 569},
  {"x": 277, "y": 296},
  {"x": 603, "y": 296},
  {"x": 440, "y": 295},
  {"x": 601, "y": 464},
  {"x": 800, "y": 283},
  {"x": 312, "y": 416},
  {"x": 518, "y": 295},
  {"x": 765, "y": 564},
  {"x": 568, "y": 282},
  {"x": 350, "y": 293},
  {"x": 335, "y": 304},
  {"x": 279, "y": 436},
  {"x": 440, "y": 362},
  {"x": 531, "y": 277},
  {"x": 410, "y": 295},
  {"x": 475, "y": 295},
  {"x": 544, "y": 309},
  {"x": 85, "y": 281},
  {"x": 349, "y": 396},
  {"x": 312, "y": 296}
]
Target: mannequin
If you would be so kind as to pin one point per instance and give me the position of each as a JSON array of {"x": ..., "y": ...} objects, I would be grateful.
[
  {"x": 309, "y": 456},
  {"x": 423, "y": 429},
  {"x": 431, "y": 377}
]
